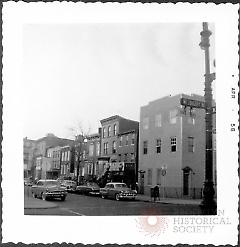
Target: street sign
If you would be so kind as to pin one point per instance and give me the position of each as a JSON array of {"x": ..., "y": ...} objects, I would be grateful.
[{"x": 192, "y": 103}]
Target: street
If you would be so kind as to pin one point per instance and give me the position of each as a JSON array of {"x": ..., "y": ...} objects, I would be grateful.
[{"x": 81, "y": 205}]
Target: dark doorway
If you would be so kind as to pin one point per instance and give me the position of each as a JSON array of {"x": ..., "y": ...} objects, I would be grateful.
[{"x": 186, "y": 182}]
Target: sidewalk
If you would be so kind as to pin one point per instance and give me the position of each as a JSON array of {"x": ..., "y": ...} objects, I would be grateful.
[
  {"x": 33, "y": 203},
  {"x": 181, "y": 201}
]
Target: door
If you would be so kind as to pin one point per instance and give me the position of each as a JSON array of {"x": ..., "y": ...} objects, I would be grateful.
[{"x": 185, "y": 183}]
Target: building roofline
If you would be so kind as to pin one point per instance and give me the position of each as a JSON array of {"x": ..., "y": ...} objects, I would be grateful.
[
  {"x": 110, "y": 118},
  {"x": 127, "y": 132},
  {"x": 179, "y": 95}
]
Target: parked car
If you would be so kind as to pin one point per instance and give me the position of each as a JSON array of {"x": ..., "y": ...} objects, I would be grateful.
[
  {"x": 48, "y": 188},
  {"x": 88, "y": 188},
  {"x": 69, "y": 185},
  {"x": 28, "y": 182},
  {"x": 118, "y": 191}
]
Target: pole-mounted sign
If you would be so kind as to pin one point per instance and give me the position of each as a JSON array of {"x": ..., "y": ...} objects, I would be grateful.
[{"x": 195, "y": 104}]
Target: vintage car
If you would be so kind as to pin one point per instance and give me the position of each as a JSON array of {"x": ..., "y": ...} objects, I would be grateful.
[
  {"x": 88, "y": 188},
  {"x": 28, "y": 182},
  {"x": 118, "y": 191},
  {"x": 69, "y": 185},
  {"x": 48, "y": 188}
]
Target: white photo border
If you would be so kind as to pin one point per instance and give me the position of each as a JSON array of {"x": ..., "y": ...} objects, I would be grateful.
[{"x": 17, "y": 227}]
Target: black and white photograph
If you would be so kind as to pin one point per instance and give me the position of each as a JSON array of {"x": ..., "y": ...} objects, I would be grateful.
[
  {"x": 143, "y": 131},
  {"x": 120, "y": 118}
]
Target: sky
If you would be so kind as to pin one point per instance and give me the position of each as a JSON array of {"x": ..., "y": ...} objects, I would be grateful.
[{"x": 82, "y": 73}]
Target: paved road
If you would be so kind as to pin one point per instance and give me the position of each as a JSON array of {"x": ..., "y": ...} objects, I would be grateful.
[{"x": 96, "y": 206}]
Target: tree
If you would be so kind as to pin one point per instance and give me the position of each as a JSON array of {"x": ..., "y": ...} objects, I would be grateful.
[{"x": 79, "y": 149}]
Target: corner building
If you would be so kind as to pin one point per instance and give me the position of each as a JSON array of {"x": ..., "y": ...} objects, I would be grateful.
[{"x": 172, "y": 147}]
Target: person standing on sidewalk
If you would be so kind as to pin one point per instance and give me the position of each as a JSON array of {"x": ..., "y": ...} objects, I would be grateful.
[{"x": 156, "y": 193}]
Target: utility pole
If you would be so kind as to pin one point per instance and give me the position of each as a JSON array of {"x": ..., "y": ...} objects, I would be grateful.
[{"x": 208, "y": 204}]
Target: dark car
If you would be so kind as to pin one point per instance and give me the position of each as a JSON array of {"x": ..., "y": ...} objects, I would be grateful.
[
  {"x": 88, "y": 188},
  {"x": 118, "y": 191},
  {"x": 69, "y": 185},
  {"x": 48, "y": 188}
]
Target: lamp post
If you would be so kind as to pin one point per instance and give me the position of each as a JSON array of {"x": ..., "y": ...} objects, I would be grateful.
[{"x": 208, "y": 204}]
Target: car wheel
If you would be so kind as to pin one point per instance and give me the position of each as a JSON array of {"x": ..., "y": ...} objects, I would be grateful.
[
  {"x": 103, "y": 196},
  {"x": 44, "y": 197},
  {"x": 34, "y": 195},
  {"x": 117, "y": 198},
  {"x": 63, "y": 198}
]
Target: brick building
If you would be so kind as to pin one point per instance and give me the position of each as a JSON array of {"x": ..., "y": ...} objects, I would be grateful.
[
  {"x": 28, "y": 156},
  {"x": 67, "y": 162},
  {"x": 115, "y": 155},
  {"x": 172, "y": 147},
  {"x": 42, "y": 148},
  {"x": 93, "y": 153}
]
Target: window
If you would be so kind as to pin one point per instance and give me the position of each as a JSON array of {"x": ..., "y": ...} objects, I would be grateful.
[
  {"x": 91, "y": 149},
  {"x": 114, "y": 129},
  {"x": 104, "y": 132},
  {"x": 114, "y": 147},
  {"x": 145, "y": 123},
  {"x": 149, "y": 176},
  {"x": 98, "y": 149},
  {"x": 125, "y": 157},
  {"x": 68, "y": 155},
  {"x": 105, "y": 148},
  {"x": 126, "y": 143},
  {"x": 158, "y": 120},
  {"x": 173, "y": 116},
  {"x": 191, "y": 144},
  {"x": 133, "y": 139},
  {"x": 145, "y": 147},
  {"x": 120, "y": 141},
  {"x": 159, "y": 176},
  {"x": 173, "y": 144},
  {"x": 109, "y": 130},
  {"x": 158, "y": 146},
  {"x": 119, "y": 157}
]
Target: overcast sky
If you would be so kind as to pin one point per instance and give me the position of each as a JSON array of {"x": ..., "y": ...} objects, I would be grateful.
[{"x": 86, "y": 72}]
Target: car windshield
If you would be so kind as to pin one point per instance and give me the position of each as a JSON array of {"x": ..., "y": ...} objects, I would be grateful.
[
  {"x": 49, "y": 183},
  {"x": 121, "y": 185}
]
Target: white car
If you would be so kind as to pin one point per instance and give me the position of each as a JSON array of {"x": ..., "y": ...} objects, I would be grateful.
[{"x": 118, "y": 191}]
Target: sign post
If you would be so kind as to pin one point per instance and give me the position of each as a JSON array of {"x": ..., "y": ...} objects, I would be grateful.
[{"x": 164, "y": 172}]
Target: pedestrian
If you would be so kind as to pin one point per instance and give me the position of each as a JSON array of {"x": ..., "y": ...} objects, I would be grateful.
[
  {"x": 156, "y": 193},
  {"x": 136, "y": 186}
]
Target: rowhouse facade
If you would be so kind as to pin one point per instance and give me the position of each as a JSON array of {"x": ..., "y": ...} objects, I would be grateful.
[{"x": 119, "y": 148}]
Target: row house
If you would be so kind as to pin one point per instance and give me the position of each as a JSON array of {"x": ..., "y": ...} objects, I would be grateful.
[
  {"x": 45, "y": 156},
  {"x": 92, "y": 156},
  {"x": 172, "y": 147},
  {"x": 67, "y": 162},
  {"x": 118, "y": 145},
  {"x": 54, "y": 154},
  {"x": 28, "y": 156}
]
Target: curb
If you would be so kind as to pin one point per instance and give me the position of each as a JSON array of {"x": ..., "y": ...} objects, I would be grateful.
[
  {"x": 167, "y": 202},
  {"x": 39, "y": 207}
]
